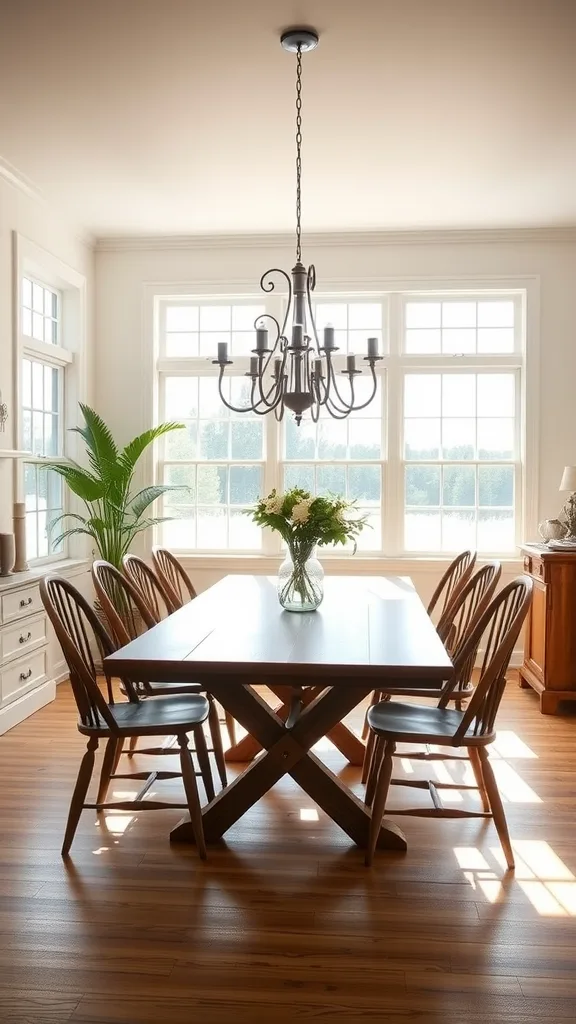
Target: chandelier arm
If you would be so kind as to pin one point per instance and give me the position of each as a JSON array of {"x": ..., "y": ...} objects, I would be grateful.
[
  {"x": 267, "y": 285},
  {"x": 278, "y": 384},
  {"x": 233, "y": 408},
  {"x": 356, "y": 408},
  {"x": 332, "y": 389}
]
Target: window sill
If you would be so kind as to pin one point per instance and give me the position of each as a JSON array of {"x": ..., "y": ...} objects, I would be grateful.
[{"x": 352, "y": 565}]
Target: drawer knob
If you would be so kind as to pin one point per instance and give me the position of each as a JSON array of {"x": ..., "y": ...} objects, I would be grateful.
[
  {"x": 25, "y": 675},
  {"x": 24, "y": 603},
  {"x": 24, "y": 639}
]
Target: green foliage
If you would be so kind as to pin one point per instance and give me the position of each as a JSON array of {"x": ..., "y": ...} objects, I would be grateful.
[
  {"x": 304, "y": 521},
  {"x": 115, "y": 515}
]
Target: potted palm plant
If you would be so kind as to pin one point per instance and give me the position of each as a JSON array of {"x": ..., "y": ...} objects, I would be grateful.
[{"x": 115, "y": 512}]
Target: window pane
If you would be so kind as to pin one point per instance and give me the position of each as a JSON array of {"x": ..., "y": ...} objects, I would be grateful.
[
  {"x": 299, "y": 476},
  {"x": 214, "y": 439},
  {"x": 496, "y": 485},
  {"x": 364, "y": 484},
  {"x": 245, "y": 484},
  {"x": 496, "y": 339},
  {"x": 459, "y": 314},
  {"x": 422, "y": 439},
  {"x": 496, "y": 394},
  {"x": 182, "y": 444},
  {"x": 458, "y": 439},
  {"x": 422, "y": 394},
  {"x": 459, "y": 485},
  {"x": 422, "y": 485},
  {"x": 212, "y": 528},
  {"x": 331, "y": 480},
  {"x": 244, "y": 535},
  {"x": 422, "y": 531},
  {"x": 300, "y": 442},
  {"x": 212, "y": 485},
  {"x": 332, "y": 439},
  {"x": 458, "y": 531},
  {"x": 423, "y": 314},
  {"x": 184, "y": 478},
  {"x": 215, "y": 318},
  {"x": 26, "y": 293},
  {"x": 496, "y": 313},
  {"x": 495, "y": 531},
  {"x": 366, "y": 315},
  {"x": 460, "y": 340},
  {"x": 180, "y": 397},
  {"x": 495, "y": 439},
  {"x": 423, "y": 341},
  {"x": 182, "y": 318},
  {"x": 364, "y": 438},
  {"x": 458, "y": 394},
  {"x": 246, "y": 439},
  {"x": 182, "y": 344},
  {"x": 244, "y": 317}
]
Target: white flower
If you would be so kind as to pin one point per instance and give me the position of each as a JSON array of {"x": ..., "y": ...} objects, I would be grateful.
[
  {"x": 273, "y": 505},
  {"x": 301, "y": 511}
]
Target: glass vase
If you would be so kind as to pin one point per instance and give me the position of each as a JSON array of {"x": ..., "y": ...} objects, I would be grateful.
[{"x": 301, "y": 580}]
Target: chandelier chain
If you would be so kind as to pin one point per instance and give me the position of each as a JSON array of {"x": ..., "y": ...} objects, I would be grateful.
[{"x": 299, "y": 155}]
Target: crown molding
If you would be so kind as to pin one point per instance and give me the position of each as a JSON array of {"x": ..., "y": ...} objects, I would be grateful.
[
  {"x": 487, "y": 236},
  {"x": 13, "y": 176}
]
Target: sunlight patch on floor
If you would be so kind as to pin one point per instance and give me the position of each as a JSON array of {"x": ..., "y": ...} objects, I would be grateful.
[
  {"x": 509, "y": 744},
  {"x": 308, "y": 814},
  {"x": 546, "y": 881}
]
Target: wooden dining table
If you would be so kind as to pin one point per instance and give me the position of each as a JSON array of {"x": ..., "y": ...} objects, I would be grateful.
[{"x": 369, "y": 632}]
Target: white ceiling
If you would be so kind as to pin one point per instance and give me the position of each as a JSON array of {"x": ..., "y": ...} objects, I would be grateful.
[{"x": 176, "y": 116}]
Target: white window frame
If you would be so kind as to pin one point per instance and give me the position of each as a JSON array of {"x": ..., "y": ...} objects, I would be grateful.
[
  {"x": 525, "y": 293},
  {"x": 68, "y": 356}
]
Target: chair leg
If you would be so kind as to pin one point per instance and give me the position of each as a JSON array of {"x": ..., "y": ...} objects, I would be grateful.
[
  {"x": 379, "y": 803},
  {"x": 132, "y": 745},
  {"x": 108, "y": 767},
  {"x": 216, "y": 736},
  {"x": 117, "y": 755},
  {"x": 191, "y": 790},
  {"x": 477, "y": 769},
  {"x": 79, "y": 794},
  {"x": 496, "y": 807},
  {"x": 204, "y": 761},
  {"x": 368, "y": 752},
  {"x": 230, "y": 727},
  {"x": 376, "y": 755},
  {"x": 365, "y": 727}
]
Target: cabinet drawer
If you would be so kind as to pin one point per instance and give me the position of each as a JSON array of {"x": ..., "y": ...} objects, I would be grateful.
[
  {"x": 19, "y": 639},
  {"x": 19, "y": 603},
  {"x": 22, "y": 675}
]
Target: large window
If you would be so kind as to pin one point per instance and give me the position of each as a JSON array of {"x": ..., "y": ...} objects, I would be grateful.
[
  {"x": 42, "y": 376},
  {"x": 434, "y": 461}
]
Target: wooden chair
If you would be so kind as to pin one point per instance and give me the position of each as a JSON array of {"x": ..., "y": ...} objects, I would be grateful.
[
  {"x": 173, "y": 575},
  {"x": 472, "y": 729},
  {"x": 75, "y": 622},
  {"x": 157, "y": 597},
  {"x": 456, "y": 575},
  {"x": 469, "y": 604},
  {"x": 176, "y": 579},
  {"x": 452, "y": 582},
  {"x": 128, "y": 616}
]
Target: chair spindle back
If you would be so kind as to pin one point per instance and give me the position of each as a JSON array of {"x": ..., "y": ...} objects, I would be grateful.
[
  {"x": 150, "y": 587},
  {"x": 468, "y": 605},
  {"x": 127, "y": 614},
  {"x": 173, "y": 574},
  {"x": 75, "y": 621},
  {"x": 500, "y": 625},
  {"x": 456, "y": 575}
]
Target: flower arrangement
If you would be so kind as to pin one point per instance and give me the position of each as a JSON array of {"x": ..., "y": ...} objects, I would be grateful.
[{"x": 304, "y": 521}]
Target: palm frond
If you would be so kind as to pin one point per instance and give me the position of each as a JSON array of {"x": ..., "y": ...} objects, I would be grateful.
[
  {"x": 131, "y": 453},
  {"x": 141, "y": 501},
  {"x": 80, "y": 481},
  {"x": 101, "y": 447}
]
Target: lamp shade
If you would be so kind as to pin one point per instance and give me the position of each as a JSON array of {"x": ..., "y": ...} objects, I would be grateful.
[{"x": 568, "y": 481}]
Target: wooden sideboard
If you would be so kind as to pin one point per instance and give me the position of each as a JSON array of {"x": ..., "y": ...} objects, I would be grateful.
[{"x": 549, "y": 665}]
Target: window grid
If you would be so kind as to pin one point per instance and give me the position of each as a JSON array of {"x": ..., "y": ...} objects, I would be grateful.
[
  {"x": 40, "y": 312},
  {"x": 323, "y": 457}
]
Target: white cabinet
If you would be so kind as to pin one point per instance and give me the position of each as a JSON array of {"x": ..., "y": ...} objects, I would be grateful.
[{"x": 25, "y": 685}]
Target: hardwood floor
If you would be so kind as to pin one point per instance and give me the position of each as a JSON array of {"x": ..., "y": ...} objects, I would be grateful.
[{"x": 284, "y": 923}]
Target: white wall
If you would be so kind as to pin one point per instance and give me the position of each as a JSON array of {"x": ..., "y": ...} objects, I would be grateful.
[{"x": 546, "y": 260}]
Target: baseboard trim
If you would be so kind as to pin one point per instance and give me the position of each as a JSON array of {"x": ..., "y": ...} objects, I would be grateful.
[{"x": 26, "y": 705}]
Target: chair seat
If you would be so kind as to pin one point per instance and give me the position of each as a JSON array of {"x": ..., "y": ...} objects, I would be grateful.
[
  {"x": 420, "y": 723},
  {"x": 158, "y": 717}
]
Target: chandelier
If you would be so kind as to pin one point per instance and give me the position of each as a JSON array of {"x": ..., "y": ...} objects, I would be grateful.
[{"x": 294, "y": 370}]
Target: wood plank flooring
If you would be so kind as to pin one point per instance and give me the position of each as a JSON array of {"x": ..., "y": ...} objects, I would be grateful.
[{"x": 283, "y": 922}]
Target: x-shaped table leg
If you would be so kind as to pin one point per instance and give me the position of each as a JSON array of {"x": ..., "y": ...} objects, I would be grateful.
[
  {"x": 340, "y": 735},
  {"x": 288, "y": 751}
]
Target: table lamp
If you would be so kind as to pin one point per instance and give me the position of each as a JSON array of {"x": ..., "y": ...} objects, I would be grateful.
[{"x": 568, "y": 483}]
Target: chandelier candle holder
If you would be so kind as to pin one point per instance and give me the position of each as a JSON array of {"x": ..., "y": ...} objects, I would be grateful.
[{"x": 290, "y": 368}]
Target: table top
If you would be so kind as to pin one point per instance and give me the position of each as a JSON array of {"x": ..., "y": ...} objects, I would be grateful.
[{"x": 367, "y": 628}]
